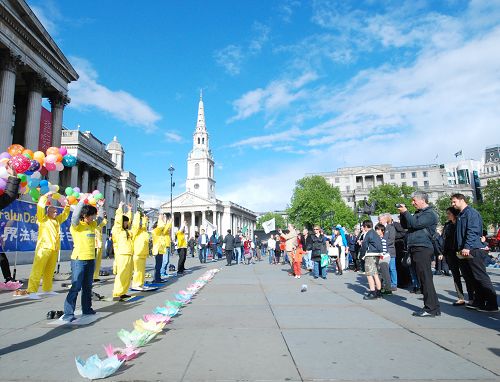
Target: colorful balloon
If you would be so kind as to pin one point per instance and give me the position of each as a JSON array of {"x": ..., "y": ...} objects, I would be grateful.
[
  {"x": 68, "y": 191},
  {"x": 50, "y": 166},
  {"x": 20, "y": 163},
  {"x": 15, "y": 149},
  {"x": 69, "y": 160},
  {"x": 63, "y": 150},
  {"x": 52, "y": 151}
]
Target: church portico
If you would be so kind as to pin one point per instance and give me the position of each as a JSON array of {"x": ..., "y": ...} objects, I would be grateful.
[{"x": 198, "y": 206}]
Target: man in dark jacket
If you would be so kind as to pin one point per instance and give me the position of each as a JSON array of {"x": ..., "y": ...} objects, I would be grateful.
[
  {"x": 228, "y": 244},
  {"x": 9, "y": 195},
  {"x": 421, "y": 226},
  {"x": 469, "y": 230}
]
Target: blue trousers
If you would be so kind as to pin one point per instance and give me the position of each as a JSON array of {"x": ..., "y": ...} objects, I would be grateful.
[
  {"x": 166, "y": 262},
  {"x": 82, "y": 273},
  {"x": 319, "y": 269},
  {"x": 237, "y": 254},
  {"x": 158, "y": 267},
  {"x": 393, "y": 272}
]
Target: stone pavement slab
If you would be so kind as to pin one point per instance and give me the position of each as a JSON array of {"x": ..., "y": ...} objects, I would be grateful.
[{"x": 252, "y": 323}]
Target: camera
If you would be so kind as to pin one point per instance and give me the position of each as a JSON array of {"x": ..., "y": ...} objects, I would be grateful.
[{"x": 399, "y": 205}]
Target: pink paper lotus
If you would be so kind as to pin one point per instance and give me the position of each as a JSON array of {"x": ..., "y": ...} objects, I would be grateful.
[
  {"x": 156, "y": 318},
  {"x": 11, "y": 285},
  {"x": 123, "y": 354}
]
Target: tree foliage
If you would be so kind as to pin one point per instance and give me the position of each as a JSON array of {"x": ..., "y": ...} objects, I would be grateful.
[
  {"x": 280, "y": 221},
  {"x": 442, "y": 203},
  {"x": 388, "y": 195},
  {"x": 490, "y": 207},
  {"x": 315, "y": 201}
]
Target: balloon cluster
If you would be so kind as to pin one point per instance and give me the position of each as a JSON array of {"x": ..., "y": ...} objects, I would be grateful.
[
  {"x": 74, "y": 195},
  {"x": 25, "y": 161}
]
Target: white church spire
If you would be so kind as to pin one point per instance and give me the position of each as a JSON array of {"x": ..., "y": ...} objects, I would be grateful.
[{"x": 200, "y": 124}]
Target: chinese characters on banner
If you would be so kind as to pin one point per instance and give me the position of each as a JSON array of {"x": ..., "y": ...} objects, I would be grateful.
[
  {"x": 19, "y": 231},
  {"x": 45, "y": 140}
]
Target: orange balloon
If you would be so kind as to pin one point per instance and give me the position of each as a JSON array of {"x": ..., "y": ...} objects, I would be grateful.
[
  {"x": 59, "y": 158},
  {"x": 28, "y": 152},
  {"x": 52, "y": 150},
  {"x": 15, "y": 149},
  {"x": 71, "y": 199},
  {"x": 38, "y": 155}
]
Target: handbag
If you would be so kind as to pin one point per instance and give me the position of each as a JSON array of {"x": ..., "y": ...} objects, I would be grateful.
[
  {"x": 325, "y": 260},
  {"x": 406, "y": 259}
]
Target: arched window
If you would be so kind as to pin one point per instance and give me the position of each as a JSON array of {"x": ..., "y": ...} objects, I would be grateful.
[
  {"x": 197, "y": 169},
  {"x": 203, "y": 140},
  {"x": 198, "y": 140}
]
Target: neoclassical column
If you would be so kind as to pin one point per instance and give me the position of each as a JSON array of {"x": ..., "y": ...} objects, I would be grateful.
[
  {"x": 8, "y": 67},
  {"x": 74, "y": 176},
  {"x": 100, "y": 183},
  {"x": 108, "y": 195},
  {"x": 85, "y": 179},
  {"x": 57, "y": 102},
  {"x": 34, "y": 109}
]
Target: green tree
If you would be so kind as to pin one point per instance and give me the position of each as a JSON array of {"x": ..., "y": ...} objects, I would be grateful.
[
  {"x": 280, "y": 222},
  {"x": 315, "y": 201},
  {"x": 490, "y": 207},
  {"x": 388, "y": 195}
]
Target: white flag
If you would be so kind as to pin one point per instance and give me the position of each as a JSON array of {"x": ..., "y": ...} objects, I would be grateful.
[
  {"x": 269, "y": 225},
  {"x": 209, "y": 227}
]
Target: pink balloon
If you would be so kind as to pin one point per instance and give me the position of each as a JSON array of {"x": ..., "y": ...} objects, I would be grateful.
[
  {"x": 63, "y": 150},
  {"x": 50, "y": 166}
]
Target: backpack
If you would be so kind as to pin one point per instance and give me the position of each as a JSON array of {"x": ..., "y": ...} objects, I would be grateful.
[{"x": 437, "y": 242}]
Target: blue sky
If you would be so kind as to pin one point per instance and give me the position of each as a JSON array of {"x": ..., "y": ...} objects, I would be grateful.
[{"x": 290, "y": 87}]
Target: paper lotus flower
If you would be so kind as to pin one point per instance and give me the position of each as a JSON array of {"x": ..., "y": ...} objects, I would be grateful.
[
  {"x": 95, "y": 368},
  {"x": 134, "y": 338},
  {"x": 183, "y": 299},
  {"x": 169, "y": 311},
  {"x": 150, "y": 326},
  {"x": 123, "y": 354},
  {"x": 156, "y": 318},
  {"x": 174, "y": 304},
  {"x": 11, "y": 285}
]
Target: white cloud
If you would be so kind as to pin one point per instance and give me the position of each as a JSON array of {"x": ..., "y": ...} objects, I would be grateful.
[
  {"x": 88, "y": 92},
  {"x": 268, "y": 140},
  {"x": 232, "y": 57},
  {"x": 172, "y": 136},
  {"x": 277, "y": 95},
  {"x": 46, "y": 21},
  {"x": 154, "y": 200}
]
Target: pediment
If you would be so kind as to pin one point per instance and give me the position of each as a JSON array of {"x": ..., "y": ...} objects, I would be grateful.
[
  {"x": 20, "y": 16},
  {"x": 188, "y": 199}
]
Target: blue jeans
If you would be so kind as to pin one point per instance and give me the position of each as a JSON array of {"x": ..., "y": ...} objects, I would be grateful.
[
  {"x": 393, "y": 272},
  {"x": 237, "y": 253},
  {"x": 165, "y": 263},
  {"x": 158, "y": 267},
  {"x": 318, "y": 268},
  {"x": 271, "y": 255},
  {"x": 82, "y": 273},
  {"x": 414, "y": 278},
  {"x": 203, "y": 254}
]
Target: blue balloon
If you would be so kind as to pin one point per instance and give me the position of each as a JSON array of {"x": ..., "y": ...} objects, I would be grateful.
[
  {"x": 33, "y": 183},
  {"x": 69, "y": 160},
  {"x": 44, "y": 190},
  {"x": 44, "y": 183}
]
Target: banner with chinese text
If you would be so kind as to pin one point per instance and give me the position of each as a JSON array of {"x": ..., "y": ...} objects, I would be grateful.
[{"x": 19, "y": 231}]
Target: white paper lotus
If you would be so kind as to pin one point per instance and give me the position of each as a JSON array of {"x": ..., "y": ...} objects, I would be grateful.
[{"x": 95, "y": 368}]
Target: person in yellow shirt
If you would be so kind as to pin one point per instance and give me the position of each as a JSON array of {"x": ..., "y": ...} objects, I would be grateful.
[
  {"x": 141, "y": 249},
  {"x": 124, "y": 249},
  {"x": 99, "y": 247},
  {"x": 47, "y": 245},
  {"x": 168, "y": 241},
  {"x": 159, "y": 236},
  {"x": 83, "y": 228},
  {"x": 181, "y": 248}
]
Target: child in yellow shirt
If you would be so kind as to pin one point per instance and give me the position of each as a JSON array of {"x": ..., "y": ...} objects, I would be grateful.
[{"x": 123, "y": 245}]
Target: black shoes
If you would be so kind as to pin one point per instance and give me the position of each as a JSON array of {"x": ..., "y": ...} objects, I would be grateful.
[
  {"x": 416, "y": 290},
  {"x": 372, "y": 295},
  {"x": 54, "y": 314},
  {"x": 424, "y": 313}
]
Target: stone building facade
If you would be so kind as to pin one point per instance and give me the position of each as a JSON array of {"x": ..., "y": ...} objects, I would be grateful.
[
  {"x": 491, "y": 166},
  {"x": 100, "y": 167},
  {"x": 198, "y": 205},
  {"x": 32, "y": 67},
  {"x": 355, "y": 183}
]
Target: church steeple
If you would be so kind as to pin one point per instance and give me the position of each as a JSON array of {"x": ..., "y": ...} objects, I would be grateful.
[{"x": 200, "y": 179}]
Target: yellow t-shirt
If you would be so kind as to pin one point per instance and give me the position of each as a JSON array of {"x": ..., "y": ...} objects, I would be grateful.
[
  {"x": 83, "y": 241},
  {"x": 48, "y": 229},
  {"x": 181, "y": 239},
  {"x": 167, "y": 230}
]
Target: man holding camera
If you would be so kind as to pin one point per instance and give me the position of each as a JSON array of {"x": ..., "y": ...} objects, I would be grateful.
[{"x": 421, "y": 227}]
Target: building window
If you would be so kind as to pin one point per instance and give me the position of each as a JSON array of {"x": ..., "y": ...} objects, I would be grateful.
[
  {"x": 203, "y": 140},
  {"x": 425, "y": 174},
  {"x": 196, "y": 186},
  {"x": 403, "y": 183},
  {"x": 415, "y": 184},
  {"x": 403, "y": 175},
  {"x": 198, "y": 140},
  {"x": 413, "y": 174},
  {"x": 392, "y": 176},
  {"x": 197, "y": 169},
  {"x": 426, "y": 183},
  {"x": 337, "y": 180},
  {"x": 347, "y": 188}
]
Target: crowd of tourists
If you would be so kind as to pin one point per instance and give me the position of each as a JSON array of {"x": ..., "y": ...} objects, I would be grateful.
[{"x": 390, "y": 254}]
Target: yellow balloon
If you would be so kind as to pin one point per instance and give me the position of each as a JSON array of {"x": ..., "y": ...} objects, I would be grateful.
[{"x": 56, "y": 196}]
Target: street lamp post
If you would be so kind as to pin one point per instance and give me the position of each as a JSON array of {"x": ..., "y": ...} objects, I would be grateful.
[{"x": 171, "y": 170}]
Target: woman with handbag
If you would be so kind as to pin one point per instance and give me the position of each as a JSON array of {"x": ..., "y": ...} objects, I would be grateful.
[
  {"x": 371, "y": 249},
  {"x": 318, "y": 249}
]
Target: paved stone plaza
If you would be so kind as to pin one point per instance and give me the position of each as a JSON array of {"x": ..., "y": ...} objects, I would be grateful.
[{"x": 253, "y": 323}]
